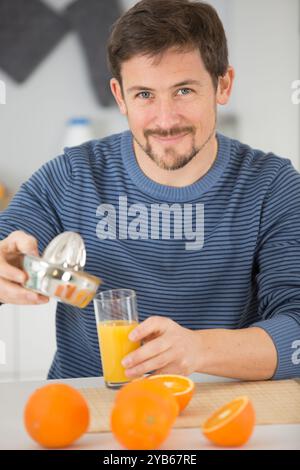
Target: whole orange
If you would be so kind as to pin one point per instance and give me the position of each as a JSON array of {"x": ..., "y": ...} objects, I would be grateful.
[
  {"x": 56, "y": 415},
  {"x": 143, "y": 415}
]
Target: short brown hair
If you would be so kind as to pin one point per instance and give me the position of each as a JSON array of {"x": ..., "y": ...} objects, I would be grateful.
[{"x": 151, "y": 27}]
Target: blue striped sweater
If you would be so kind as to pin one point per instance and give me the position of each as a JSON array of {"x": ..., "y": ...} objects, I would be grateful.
[{"x": 228, "y": 256}]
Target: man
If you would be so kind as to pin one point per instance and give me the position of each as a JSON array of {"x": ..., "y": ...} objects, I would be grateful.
[{"x": 204, "y": 228}]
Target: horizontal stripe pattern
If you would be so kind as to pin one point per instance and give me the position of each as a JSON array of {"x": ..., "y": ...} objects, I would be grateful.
[{"x": 247, "y": 273}]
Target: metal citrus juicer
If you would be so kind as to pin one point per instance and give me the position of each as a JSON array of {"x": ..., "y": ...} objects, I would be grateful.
[{"x": 59, "y": 272}]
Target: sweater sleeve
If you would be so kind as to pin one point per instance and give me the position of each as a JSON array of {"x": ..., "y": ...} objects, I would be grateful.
[
  {"x": 278, "y": 270},
  {"x": 35, "y": 209}
]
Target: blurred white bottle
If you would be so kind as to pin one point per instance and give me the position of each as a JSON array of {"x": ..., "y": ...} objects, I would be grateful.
[{"x": 79, "y": 130}]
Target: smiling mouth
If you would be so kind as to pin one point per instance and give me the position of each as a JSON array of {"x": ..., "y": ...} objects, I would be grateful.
[{"x": 170, "y": 139}]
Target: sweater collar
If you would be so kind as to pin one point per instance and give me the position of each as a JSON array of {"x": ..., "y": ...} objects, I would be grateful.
[{"x": 170, "y": 193}]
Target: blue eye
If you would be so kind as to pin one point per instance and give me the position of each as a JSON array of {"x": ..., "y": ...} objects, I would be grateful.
[
  {"x": 144, "y": 95},
  {"x": 185, "y": 91}
]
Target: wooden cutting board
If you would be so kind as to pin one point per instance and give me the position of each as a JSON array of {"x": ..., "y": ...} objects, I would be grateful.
[{"x": 275, "y": 402}]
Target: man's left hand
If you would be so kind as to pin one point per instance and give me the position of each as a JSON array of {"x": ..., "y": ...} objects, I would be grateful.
[{"x": 168, "y": 348}]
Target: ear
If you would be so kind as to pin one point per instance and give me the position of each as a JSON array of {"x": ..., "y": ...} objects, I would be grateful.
[
  {"x": 116, "y": 90},
  {"x": 225, "y": 86}
]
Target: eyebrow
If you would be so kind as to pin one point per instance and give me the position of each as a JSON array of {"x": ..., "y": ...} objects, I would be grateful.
[{"x": 184, "y": 83}]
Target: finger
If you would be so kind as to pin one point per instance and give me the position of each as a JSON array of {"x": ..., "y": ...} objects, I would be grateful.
[
  {"x": 151, "y": 326},
  {"x": 15, "y": 294},
  {"x": 146, "y": 352},
  {"x": 157, "y": 362},
  {"x": 171, "y": 368},
  {"x": 11, "y": 273},
  {"x": 150, "y": 337},
  {"x": 20, "y": 242}
]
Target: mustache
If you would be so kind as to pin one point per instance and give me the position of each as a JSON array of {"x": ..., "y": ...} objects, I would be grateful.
[{"x": 169, "y": 133}]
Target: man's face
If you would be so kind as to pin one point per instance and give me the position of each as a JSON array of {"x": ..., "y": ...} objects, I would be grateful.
[{"x": 170, "y": 103}]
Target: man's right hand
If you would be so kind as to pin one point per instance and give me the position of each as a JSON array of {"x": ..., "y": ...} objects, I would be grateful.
[{"x": 11, "y": 274}]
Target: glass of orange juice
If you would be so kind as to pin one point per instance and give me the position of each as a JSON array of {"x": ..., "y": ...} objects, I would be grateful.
[{"x": 116, "y": 316}]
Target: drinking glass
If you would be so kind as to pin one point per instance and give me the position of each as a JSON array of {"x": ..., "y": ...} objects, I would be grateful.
[{"x": 116, "y": 316}]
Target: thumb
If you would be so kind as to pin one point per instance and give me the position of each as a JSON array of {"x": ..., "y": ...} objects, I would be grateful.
[{"x": 21, "y": 242}]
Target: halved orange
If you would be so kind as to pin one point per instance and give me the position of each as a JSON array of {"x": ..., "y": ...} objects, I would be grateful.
[
  {"x": 181, "y": 387},
  {"x": 232, "y": 424}
]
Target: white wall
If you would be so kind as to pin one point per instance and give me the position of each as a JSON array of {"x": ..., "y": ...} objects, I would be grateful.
[
  {"x": 28, "y": 333},
  {"x": 264, "y": 48},
  {"x": 266, "y": 40}
]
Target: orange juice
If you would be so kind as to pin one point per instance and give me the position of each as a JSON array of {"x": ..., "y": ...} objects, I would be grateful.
[{"x": 114, "y": 346}]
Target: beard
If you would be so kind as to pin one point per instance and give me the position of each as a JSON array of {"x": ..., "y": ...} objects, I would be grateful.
[{"x": 173, "y": 160}]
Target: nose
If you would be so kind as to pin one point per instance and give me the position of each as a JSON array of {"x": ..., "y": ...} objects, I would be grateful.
[{"x": 167, "y": 114}]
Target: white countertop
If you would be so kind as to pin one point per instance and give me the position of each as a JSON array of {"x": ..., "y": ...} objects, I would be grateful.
[{"x": 13, "y": 397}]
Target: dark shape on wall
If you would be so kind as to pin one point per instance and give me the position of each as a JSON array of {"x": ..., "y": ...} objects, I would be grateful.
[
  {"x": 29, "y": 30},
  {"x": 92, "y": 19}
]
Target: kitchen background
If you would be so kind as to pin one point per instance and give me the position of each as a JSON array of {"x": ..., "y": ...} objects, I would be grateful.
[{"x": 47, "y": 90}]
